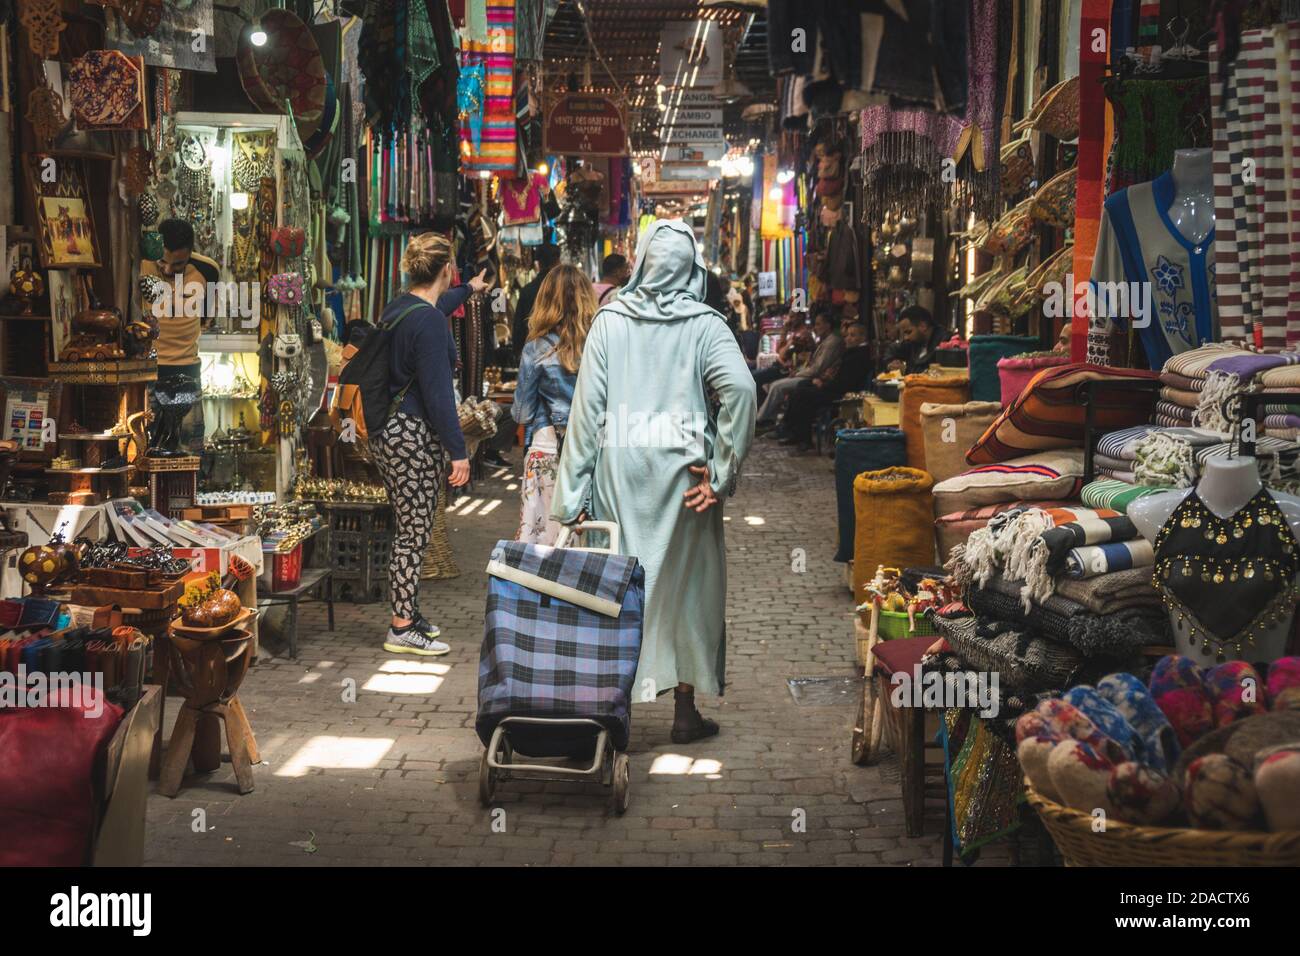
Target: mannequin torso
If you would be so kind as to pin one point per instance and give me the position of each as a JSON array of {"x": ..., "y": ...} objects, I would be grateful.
[
  {"x": 1226, "y": 486},
  {"x": 1192, "y": 212}
]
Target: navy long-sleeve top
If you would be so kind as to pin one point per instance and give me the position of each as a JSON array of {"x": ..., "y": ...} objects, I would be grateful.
[{"x": 424, "y": 354}]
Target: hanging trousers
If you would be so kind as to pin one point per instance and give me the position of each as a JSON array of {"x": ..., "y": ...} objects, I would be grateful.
[{"x": 410, "y": 462}]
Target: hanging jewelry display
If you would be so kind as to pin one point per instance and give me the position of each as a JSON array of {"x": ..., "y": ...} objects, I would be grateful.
[
  {"x": 250, "y": 159},
  {"x": 44, "y": 23},
  {"x": 195, "y": 192}
]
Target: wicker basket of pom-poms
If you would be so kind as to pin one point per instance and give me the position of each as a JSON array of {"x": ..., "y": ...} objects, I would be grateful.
[{"x": 1082, "y": 843}]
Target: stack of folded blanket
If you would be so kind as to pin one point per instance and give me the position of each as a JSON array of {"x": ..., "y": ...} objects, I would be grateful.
[
  {"x": 1117, "y": 454},
  {"x": 1040, "y": 546},
  {"x": 1115, "y": 494},
  {"x": 1220, "y": 371}
]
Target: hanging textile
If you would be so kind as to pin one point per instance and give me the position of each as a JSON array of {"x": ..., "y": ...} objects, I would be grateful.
[
  {"x": 1094, "y": 134},
  {"x": 491, "y": 146},
  {"x": 1258, "y": 269},
  {"x": 902, "y": 148},
  {"x": 1152, "y": 119}
]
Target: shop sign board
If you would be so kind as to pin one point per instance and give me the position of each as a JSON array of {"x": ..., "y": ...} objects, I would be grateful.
[
  {"x": 766, "y": 284},
  {"x": 690, "y": 54},
  {"x": 694, "y": 152},
  {"x": 585, "y": 124},
  {"x": 692, "y": 136},
  {"x": 675, "y": 187},
  {"x": 675, "y": 116},
  {"x": 689, "y": 171}
]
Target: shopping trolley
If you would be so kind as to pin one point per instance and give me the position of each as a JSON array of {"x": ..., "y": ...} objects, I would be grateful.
[{"x": 561, "y": 641}]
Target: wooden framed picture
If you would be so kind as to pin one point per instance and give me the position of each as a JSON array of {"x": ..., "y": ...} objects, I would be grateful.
[{"x": 65, "y": 225}]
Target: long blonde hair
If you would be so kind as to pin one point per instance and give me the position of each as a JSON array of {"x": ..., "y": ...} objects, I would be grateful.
[{"x": 565, "y": 304}]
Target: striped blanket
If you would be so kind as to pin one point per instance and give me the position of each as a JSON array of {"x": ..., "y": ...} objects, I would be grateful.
[
  {"x": 1090, "y": 561},
  {"x": 497, "y": 150},
  {"x": 1116, "y": 495}
]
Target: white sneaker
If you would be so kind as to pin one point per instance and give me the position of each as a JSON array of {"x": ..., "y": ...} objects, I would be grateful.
[{"x": 412, "y": 641}]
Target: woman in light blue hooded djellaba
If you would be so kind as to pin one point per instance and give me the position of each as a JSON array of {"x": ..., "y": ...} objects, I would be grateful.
[{"x": 661, "y": 420}]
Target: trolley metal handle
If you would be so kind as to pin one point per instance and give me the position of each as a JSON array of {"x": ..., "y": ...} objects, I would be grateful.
[{"x": 609, "y": 527}]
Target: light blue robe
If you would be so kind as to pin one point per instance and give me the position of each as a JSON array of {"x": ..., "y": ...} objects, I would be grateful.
[{"x": 641, "y": 416}]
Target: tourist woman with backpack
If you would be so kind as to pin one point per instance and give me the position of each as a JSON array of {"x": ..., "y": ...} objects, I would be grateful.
[
  {"x": 419, "y": 425},
  {"x": 548, "y": 370}
]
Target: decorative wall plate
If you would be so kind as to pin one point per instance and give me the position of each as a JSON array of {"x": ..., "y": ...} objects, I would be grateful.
[{"x": 106, "y": 90}]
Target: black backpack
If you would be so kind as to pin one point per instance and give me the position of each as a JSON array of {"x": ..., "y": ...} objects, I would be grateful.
[{"x": 366, "y": 378}]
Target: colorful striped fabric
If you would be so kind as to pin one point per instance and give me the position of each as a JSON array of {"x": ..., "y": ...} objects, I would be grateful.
[
  {"x": 1096, "y": 130},
  {"x": 1116, "y": 495},
  {"x": 1093, "y": 560},
  {"x": 498, "y": 146},
  {"x": 1050, "y": 413}
]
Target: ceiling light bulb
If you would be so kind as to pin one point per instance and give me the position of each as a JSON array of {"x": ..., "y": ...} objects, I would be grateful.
[
  {"x": 258, "y": 36},
  {"x": 784, "y": 176},
  {"x": 543, "y": 168},
  {"x": 775, "y": 193}
]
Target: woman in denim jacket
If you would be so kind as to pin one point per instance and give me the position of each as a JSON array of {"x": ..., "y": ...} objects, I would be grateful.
[{"x": 548, "y": 371}]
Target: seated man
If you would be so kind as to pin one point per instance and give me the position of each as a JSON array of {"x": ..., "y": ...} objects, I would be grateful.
[
  {"x": 918, "y": 345},
  {"x": 854, "y": 372},
  {"x": 829, "y": 348}
]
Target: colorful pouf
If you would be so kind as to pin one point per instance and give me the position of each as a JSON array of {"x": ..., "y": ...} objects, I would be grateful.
[
  {"x": 1131, "y": 698},
  {"x": 1277, "y": 783},
  {"x": 858, "y": 450},
  {"x": 927, "y": 389},
  {"x": 985, "y": 352},
  {"x": 1219, "y": 794},
  {"x": 1178, "y": 686},
  {"x": 1236, "y": 692},
  {"x": 1142, "y": 795},
  {"x": 949, "y": 430},
  {"x": 1284, "y": 684},
  {"x": 893, "y": 522},
  {"x": 1014, "y": 373}
]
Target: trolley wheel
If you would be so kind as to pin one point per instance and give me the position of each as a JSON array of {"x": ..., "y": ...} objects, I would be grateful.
[
  {"x": 487, "y": 781},
  {"x": 621, "y": 784}
]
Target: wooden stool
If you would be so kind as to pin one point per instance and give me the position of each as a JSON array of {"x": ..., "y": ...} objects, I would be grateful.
[
  {"x": 208, "y": 674},
  {"x": 911, "y": 730}
]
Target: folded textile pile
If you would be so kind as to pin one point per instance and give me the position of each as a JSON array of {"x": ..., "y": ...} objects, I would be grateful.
[
  {"x": 1117, "y": 628},
  {"x": 1037, "y": 545},
  {"x": 1115, "y": 494},
  {"x": 1151, "y": 454},
  {"x": 1224, "y": 371},
  {"x": 1020, "y": 658}
]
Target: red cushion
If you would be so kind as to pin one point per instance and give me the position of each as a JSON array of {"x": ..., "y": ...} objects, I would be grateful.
[
  {"x": 900, "y": 656},
  {"x": 48, "y": 760}
]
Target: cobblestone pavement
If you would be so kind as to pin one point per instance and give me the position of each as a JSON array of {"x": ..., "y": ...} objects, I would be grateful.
[{"x": 392, "y": 778}]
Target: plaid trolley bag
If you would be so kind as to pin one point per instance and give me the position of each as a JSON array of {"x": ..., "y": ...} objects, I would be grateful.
[{"x": 561, "y": 641}]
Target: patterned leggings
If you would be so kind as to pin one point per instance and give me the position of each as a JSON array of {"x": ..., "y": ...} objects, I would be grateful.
[{"x": 409, "y": 459}]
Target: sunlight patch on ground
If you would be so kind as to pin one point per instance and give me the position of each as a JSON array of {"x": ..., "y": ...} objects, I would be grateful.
[
  {"x": 682, "y": 765},
  {"x": 336, "y": 753},
  {"x": 407, "y": 677}
]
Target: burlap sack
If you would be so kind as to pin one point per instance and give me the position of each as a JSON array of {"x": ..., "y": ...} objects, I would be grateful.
[{"x": 949, "y": 431}]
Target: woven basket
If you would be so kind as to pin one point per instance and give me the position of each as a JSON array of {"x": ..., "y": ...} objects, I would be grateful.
[
  {"x": 1126, "y": 844},
  {"x": 439, "y": 562}
]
